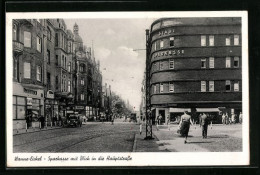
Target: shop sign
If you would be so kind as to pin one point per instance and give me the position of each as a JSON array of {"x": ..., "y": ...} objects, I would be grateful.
[
  {"x": 50, "y": 94},
  {"x": 79, "y": 107},
  {"x": 29, "y": 91},
  {"x": 168, "y": 53},
  {"x": 166, "y": 32},
  {"x": 70, "y": 112},
  {"x": 29, "y": 101}
]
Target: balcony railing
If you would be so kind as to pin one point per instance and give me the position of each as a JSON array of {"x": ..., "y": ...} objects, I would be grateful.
[{"x": 17, "y": 46}]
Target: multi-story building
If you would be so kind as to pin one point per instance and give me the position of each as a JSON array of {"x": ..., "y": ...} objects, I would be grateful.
[
  {"x": 54, "y": 74},
  {"x": 195, "y": 64}
]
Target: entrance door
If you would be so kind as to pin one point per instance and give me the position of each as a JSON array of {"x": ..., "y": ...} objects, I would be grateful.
[{"x": 162, "y": 113}]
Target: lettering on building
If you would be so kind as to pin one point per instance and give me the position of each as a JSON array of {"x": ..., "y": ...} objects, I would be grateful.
[
  {"x": 168, "y": 53},
  {"x": 166, "y": 32},
  {"x": 29, "y": 91}
]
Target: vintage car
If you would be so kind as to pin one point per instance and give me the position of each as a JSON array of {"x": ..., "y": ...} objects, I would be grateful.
[{"x": 74, "y": 121}]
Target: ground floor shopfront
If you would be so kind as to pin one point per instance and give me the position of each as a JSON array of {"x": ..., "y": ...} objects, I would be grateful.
[{"x": 213, "y": 111}]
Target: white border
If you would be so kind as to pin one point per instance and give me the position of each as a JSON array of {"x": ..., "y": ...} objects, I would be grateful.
[{"x": 138, "y": 159}]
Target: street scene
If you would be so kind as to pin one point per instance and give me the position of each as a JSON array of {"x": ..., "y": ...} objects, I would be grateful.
[{"x": 127, "y": 85}]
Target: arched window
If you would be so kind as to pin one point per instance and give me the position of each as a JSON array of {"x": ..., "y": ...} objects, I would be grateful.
[
  {"x": 82, "y": 68},
  {"x": 48, "y": 33},
  {"x": 15, "y": 32}
]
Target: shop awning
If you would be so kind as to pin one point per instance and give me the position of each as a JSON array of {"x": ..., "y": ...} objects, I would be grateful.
[
  {"x": 35, "y": 112},
  {"x": 179, "y": 110},
  {"x": 207, "y": 109}
]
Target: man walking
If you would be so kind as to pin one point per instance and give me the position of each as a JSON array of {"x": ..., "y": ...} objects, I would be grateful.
[{"x": 204, "y": 124}]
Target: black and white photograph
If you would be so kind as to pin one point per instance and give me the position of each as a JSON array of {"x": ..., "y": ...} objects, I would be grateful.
[{"x": 127, "y": 89}]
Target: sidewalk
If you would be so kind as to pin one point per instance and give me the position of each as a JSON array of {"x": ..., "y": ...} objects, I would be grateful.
[{"x": 30, "y": 130}]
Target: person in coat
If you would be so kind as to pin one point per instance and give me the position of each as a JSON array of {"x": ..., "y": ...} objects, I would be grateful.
[
  {"x": 185, "y": 125},
  {"x": 204, "y": 124}
]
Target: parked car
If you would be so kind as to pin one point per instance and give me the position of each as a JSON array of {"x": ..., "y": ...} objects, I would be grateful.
[{"x": 74, "y": 120}]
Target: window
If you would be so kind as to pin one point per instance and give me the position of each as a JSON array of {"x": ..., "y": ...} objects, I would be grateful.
[
  {"x": 15, "y": 73},
  {"x": 27, "y": 70},
  {"x": 81, "y": 97},
  {"x": 236, "y": 40},
  {"x": 69, "y": 49},
  {"x": 161, "y": 44},
  {"x": 171, "y": 64},
  {"x": 161, "y": 65},
  {"x": 203, "y": 63},
  {"x": 82, "y": 81},
  {"x": 203, "y": 40},
  {"x": 57, "y": 82},
  {"x": 65, "y": 62},
  {"x": 62, "y": 40},
  {"x": 154, "y": 89},
  {"x": 228, "y": 41},
  {"x": 211, "y": 86},
  {"x": 57, "y": 60},
  {"x": 161, "y": 88},
  {"x": 48, "y": 33},
  {"x": 15, "y": 32},
  {"x": 171, "y": 41},
  {"x": 56, "y": 40},
  {"x": 228, "y": 85},
  {"x": 211, "y": 40},
  {"x": 48, "y": 81},
  {"x": 171, "y": 87},
  {"x": 39, "y": 44},
  {"x": 19, "y": 109},
  {"x": 39, "y": 73},
  {"x": 69, "y": 86},
  {"x": 155, "y": 46},
  {"x": 69, "y": 66},
  {"x": 62, "y": 61},
  {"x": 211, "y": 62},
  {"x": 203, "y": 86},
  {"x": 236, "y": 62},
  {"x": 228, "y": 62},
  {"x": 81, "y": 68},
  {"x": 27, "y": 39},
  {"x": 236, "y": 86},
  {"x": 48, "y": 56}
]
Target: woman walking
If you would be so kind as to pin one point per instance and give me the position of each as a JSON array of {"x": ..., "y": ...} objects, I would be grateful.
[{"x": 185, "y": 125}]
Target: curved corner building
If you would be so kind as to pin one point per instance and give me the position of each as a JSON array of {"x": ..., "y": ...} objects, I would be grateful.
[{"x": 195, "y": 64}]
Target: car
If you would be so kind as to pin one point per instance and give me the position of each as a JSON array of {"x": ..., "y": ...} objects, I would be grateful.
[{"x": 74, "y": 121}]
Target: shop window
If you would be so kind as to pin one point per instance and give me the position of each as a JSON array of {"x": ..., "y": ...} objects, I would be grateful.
[
  {"x": 236, "y": 62},
  {"x": 171, "y": 64},
  {"x": 27, "y": 39},
  {"x": 203, "y": 86},
  {"x": 211, "y": 40},
  {"x": 211, "y": 62},
  {"x": 228, "y": 65},
  {"x": 203, "y": 40},
  {"x": 171, "y": 41},
  {"x": 39, "y": 73},
  {"x": 236, "y": 40},
  {"x": 236, "y": 86},
  {"x": 228, "y": 41},
  {"x": 211, "y": 86},
  {"x": 171, "y": 87},
  {"x": 161, "y": 88},
  {"x": 39, "y": 44},
  {"x": 203, "y": 63},
  {"x": 228, "y": 85},
  {"x": 27, "y": 70}
]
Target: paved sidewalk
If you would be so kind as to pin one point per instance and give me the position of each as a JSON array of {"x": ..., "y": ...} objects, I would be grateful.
[{"x": 30, "y": 130}]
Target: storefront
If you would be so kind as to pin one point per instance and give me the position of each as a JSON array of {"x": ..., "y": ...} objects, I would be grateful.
[
  {"x": 27, "y": 105},
  {"x": 51, "y": 107}
]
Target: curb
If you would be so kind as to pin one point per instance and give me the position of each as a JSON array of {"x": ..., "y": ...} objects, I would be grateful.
[{"x": 36, "y": 131}]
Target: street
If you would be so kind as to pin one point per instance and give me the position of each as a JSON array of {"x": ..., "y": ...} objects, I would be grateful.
[
  {"x": 125, "y": 137},
  {"x": 91, "y": 137}
]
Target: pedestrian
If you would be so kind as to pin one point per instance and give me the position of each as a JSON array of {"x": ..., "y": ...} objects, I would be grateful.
[
  {"x": 227, "y": 118},
  {"x": 223, "y": 118},
  {"x": 160, "y": 118},
  {"x": 157, "y": 122},
  {"x": 240, "y": 117},
  {"x": 204, "y": 122},
  {"x": 185, "y": 125},
  {"x": 112, "y": 119},
  {"x": 233, "y": 118},
  {"x": 168, "y": 121}
]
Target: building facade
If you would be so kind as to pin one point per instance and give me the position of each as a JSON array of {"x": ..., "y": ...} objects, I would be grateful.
[
  {"x": 195, "y": 64},
  {"x": 54, "y": 74}
]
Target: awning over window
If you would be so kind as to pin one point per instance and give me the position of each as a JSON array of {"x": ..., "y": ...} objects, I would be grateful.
[
  {"x": 179, "y": 110},
  {"x": 207, "y": 110}
]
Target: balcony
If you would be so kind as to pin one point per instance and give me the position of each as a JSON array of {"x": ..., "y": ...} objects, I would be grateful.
[{"x": 17, "y": 46}]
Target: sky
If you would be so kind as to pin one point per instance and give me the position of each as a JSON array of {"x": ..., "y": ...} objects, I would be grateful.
[{"x": 113, "y": 43}]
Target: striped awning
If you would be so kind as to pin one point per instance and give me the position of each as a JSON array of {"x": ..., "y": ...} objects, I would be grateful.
[
  {"x": 207, "y": 110},
  {"x": 179, "y": 110}
]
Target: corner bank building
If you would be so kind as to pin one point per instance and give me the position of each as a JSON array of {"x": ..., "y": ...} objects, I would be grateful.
[{"x": 195, "y": 64}]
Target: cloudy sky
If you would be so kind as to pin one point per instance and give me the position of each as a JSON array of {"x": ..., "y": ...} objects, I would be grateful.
[{"x": 114, "y": 41}]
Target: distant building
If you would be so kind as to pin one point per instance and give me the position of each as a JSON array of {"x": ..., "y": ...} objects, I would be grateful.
[{"x": 195, "y": 65}]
